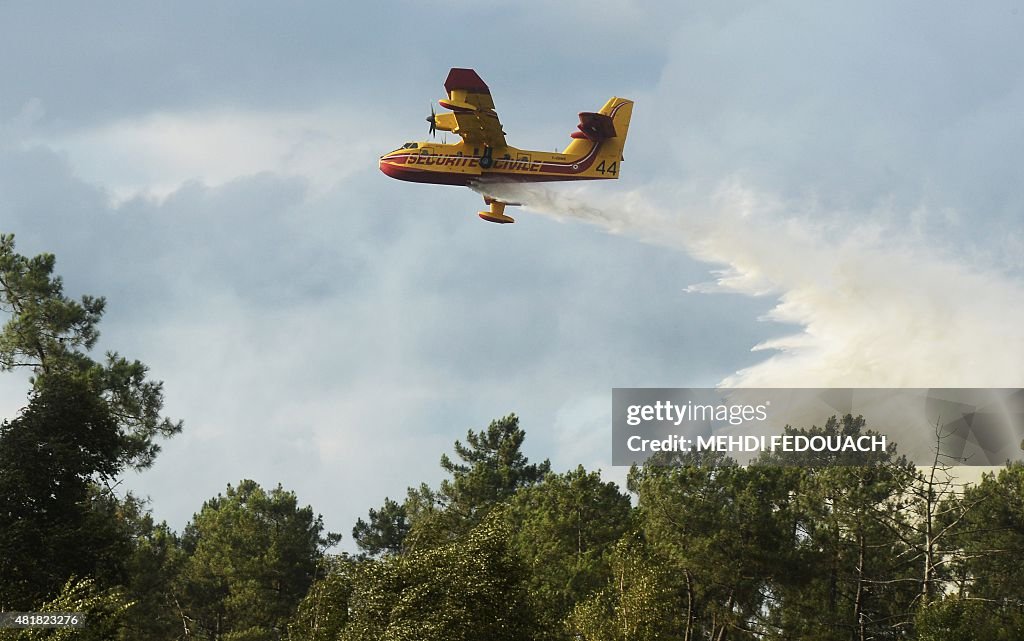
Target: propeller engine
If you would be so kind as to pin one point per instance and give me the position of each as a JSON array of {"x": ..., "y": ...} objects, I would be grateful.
[{"x": 432, "y": 119}]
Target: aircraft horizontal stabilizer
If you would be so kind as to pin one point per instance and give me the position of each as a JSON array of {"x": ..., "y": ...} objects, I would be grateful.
[
  {"x": 594, "y": 126},
  {"x": 455, "y": 105}
]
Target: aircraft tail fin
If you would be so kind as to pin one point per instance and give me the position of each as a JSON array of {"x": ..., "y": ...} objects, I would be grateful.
[{"x": 607, "y": 128}]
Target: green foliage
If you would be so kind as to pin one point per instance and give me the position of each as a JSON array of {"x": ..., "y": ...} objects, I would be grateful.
[
  {"x": 152, "y": 569},
  {"x": 46, "y": 329},
  {"x": 639, "y": 602},
  {"x": 50, "y": 334},
  {"x": 137, "y": 403},
  {"x": 85, "y": 423},
  {"x": 959, "y": 619},
  {"x": 991, "y": 535},
  {"x": 104, "y": 610},
  {"x": 324, "y": 612},
  {"x": 493, "y": 468},
  {"x": 429, "y": 521},
  {"x": 852, "y": 549},
  {"x": 772, "y": 550},
  {"x": 386, "y": 531},
  {"x": 727, "y": 533},
  {"x": 54, "y": 522},
  {"x": 252, "y": 558},
  {"x": 464, "y": 591},
  {"x": 565, "y": 528}
]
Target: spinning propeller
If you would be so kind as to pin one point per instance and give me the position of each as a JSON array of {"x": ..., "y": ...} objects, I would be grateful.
[{"x": 432, "y": 119}]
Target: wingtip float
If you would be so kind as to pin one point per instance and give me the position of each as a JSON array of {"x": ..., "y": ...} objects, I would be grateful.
[{"x": 483, "y": 155}]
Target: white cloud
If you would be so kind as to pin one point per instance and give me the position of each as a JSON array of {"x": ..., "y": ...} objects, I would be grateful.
[{"x": 155, "y": 154}]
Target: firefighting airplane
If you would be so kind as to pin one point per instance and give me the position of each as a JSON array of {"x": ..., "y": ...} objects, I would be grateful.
[{"x": 483, "y": 156}]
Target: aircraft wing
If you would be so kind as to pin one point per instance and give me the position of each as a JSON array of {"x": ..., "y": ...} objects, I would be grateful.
[{"x": 469, "y": 99}]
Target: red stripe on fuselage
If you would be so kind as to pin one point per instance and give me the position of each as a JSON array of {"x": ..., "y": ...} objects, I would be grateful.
[{"x": 408, "y": 173}]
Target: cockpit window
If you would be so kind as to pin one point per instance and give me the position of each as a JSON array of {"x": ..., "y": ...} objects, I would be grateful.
[{"x": 410, "y": 145}]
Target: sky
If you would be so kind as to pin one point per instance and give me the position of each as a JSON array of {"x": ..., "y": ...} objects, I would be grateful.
[{"x": 813, "y": 194}]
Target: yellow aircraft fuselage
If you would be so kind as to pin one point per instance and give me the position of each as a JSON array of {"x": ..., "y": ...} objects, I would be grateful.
[
  {"x": 482, "y": 156},
  {"x": 459, "y": 164}
]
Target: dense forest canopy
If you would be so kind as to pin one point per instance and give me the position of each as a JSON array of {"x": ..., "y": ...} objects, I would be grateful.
[{"x": 501, "y": 549}]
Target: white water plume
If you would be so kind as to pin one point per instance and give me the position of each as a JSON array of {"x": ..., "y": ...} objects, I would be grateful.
[{"x": 871, "y": 310}]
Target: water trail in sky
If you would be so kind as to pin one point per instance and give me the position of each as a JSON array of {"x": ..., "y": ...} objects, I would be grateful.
[{"x": 871, "y": 310}]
